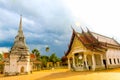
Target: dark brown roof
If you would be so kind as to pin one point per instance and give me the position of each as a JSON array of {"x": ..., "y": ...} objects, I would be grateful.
[
  {"x": 89, "y": 41},
  {"x": 71, "y": 41},
  {"x": 105, "y": 39}
]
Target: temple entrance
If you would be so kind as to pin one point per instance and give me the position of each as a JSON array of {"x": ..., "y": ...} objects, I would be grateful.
[
  {"x": 79, "y": 62},
  {"x": 22, "y": 69},
  {"x": 104, "y": 62}
]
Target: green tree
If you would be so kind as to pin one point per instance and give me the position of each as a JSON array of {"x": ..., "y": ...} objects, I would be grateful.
[
  {"x": 1, "y": 57},
  {"x": 44, "y": 60},
  {"x": 54, "y": 58},
  {"x": 58, "y": 59},
  {"x": 1, "y": 65},
  {"x": 37, "y": 53}
]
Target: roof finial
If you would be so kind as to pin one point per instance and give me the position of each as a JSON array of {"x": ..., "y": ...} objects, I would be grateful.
[
  {"x": 20, "y": 25},
  {"x": 87, "y": 29},
  {"x": 82, "y": 29},
  {"x": 73, "y": 29}
]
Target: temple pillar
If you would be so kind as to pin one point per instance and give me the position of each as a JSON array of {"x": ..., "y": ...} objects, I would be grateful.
[
  {"x": 73, "y": 60},
  {"x": 101, "y": 59},
  {"x": 93, "y": 62},
  {"x": 86, "y": 64},
  {"x": 69, "y": 66}
]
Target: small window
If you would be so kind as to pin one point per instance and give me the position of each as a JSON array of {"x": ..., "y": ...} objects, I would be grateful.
[
  {"x": 110, "y": 61},
  {"x": 114, "y": 61}
]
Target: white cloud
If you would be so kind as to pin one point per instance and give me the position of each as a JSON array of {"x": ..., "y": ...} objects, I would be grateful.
[
  {"x": 57, "y": 42},
  {"x": 49, "y": 22},
  {"x": 7, "y": 35},
  {"x": 8, "y": 18},
  {"x": 101, "y": 16},
  {"x": 4, "y": 49}
]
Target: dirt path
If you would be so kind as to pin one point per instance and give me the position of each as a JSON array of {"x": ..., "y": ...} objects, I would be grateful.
[{"x": 64, "y": 74}]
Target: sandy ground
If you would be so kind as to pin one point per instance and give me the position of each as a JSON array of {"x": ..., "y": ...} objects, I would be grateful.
[{"x": 64, "y": 74}]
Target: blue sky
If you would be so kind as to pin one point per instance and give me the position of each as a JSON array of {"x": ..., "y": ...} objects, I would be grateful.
[{"x": 48, "y": 22}]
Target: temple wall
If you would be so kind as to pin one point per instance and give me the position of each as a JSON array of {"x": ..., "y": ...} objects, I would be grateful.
[
  {"x": 113, "y": 57},
  {"x": 27, "y": 66},
  {"x": 6, "y": 68},
  {"x": 13, "y": 64},
  {"x": 20, "y": 66}
]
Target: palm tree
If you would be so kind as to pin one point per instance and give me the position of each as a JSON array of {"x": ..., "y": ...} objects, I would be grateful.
[
  {"x": 44, "y": 60},
  {"x": 53, "y": 58},
  {"x": 37, "y": 53}
]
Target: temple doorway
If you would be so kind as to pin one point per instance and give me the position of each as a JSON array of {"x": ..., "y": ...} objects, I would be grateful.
[
  {"x": 104, "y": 62},
  {"x": 22, "y": 69}
]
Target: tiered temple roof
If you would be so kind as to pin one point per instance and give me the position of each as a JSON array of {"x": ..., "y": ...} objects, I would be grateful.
[{"x": 93, "y": 41}]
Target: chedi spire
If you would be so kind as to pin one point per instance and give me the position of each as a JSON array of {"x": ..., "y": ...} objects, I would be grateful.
[{"x": 19, "y": 43}]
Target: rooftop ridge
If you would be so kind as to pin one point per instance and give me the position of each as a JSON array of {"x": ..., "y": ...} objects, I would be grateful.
[{"x": 101, "y": 35}]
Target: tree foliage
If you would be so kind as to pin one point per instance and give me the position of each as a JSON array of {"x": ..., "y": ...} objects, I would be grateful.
[
  {"x": 44, "y": 60},
  {"x": 1, "y": 57},
  {"x": 54, "y": 58},
  {"x": 1, "y": 65},
  {"x": 37, "y": 53}
]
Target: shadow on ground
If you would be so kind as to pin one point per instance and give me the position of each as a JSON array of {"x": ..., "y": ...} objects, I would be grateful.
[{"x": 66, "y": 74}]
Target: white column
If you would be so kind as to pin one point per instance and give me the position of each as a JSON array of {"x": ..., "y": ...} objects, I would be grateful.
[
  {"x": 73, "y": 61},
  {"x": 101, "y": 55},
  {"x": 86, "y": 64},
  {"x": 69, "y": 66},
  {"x": 28, "y": 65},
  {"x": 93, "y": 61}
]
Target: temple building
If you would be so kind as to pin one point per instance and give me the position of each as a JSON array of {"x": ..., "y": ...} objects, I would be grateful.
[
  {"x": 91, "y": 51},
  {"x": 17, "y": 61}
]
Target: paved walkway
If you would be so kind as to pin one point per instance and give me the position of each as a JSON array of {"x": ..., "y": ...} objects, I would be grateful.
[{"x": 64, "y": 74}]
